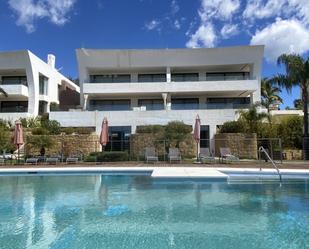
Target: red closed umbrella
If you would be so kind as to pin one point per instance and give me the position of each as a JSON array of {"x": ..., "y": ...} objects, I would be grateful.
[
  {"x": 104, "y": 133},
  {"x": 197, "y": 134},
  {"x": 18, "y": 136}
]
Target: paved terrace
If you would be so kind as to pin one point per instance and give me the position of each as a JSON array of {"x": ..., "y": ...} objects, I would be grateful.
[{"x": 130, "y": 164}]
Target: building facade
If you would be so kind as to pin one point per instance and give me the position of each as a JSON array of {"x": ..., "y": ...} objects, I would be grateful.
[
  {"x": 31, "y": 84},
  {"x": 155, "y": 86}
]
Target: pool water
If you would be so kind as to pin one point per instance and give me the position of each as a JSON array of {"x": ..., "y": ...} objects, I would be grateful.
[{"x": 97, "y": 211}]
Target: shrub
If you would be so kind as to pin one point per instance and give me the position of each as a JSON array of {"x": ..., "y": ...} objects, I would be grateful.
[
  {"x": 39, "y": 131},
  {"x": 68, "y": 130},
  {"x": 109, "y": 156},
  {"x": 52, "y": 126},
  {"x": 150, "y": 129},
  {"x": 54, "y": 107},
  {"x": 233, "y": 127},
  {"x": 31, "y": 122},
  {"x": 5, "y": 139},
  {"x": 290, "y": 130},
  {"x": 84, "y": 130}
]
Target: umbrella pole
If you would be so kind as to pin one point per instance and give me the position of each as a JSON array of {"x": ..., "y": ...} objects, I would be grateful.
[
  {"x": 18, "y": 154},
  {"x": 197, "y": 157}
]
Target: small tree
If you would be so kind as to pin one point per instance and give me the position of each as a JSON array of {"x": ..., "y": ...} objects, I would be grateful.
[
  {"x": 270, "y": 93},
  {"x": 40, "y": 143},
  {"x": 177, "y": 131}
]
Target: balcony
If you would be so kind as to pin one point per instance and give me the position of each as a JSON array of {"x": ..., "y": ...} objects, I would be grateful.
[
  {"x": 18, "y": 90},
  {"x": 140, "y": 88}
]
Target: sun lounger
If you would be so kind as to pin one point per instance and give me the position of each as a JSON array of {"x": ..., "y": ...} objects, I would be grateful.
[
  {"x": 52, "y": 160},
  {"x": 72, "y": 159},
  {"x": 32, "y": 160},
  {"x": 225, "y": 154},
  {"x": 174, "y": 155},
  {"x": 150, "y": 155},
  {"x": 205, "y": 156}
]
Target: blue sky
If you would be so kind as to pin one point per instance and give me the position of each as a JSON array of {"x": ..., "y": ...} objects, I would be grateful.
[{"x": 61, "y": 26}]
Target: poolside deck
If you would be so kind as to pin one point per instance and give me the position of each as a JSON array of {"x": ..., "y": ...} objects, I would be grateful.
[{"x": 245, "y": 164}]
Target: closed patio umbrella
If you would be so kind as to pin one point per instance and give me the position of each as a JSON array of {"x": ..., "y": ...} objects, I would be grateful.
[
  {"x": 18, "y": 136},
  {"x": 197, "y": 134},
  {"x": 104, "y": 133}
]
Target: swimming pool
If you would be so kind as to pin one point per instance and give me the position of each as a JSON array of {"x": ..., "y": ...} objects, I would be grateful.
[{"x": 105, "y": 211}]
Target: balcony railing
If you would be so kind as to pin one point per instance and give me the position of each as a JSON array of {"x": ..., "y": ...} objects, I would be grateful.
[{"x": 209, "y": 106}]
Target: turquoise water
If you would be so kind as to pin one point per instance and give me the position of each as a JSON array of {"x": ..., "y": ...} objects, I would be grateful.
[{"x": 136, "y": 212}]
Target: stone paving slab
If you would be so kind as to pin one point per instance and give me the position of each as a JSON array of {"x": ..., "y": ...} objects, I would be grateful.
[{"x": 188, "y": 173}]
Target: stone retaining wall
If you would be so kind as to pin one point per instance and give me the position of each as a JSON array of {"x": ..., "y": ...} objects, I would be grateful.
[
  {"x": 69, "y": 144},
  {"x": 242, "y": 144}
]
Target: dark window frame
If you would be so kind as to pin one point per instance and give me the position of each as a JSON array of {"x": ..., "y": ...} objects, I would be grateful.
[
  {"x": 152, "y": 104},
  {"x": 112, "y": 78},
  {"x": 110, "y": 104},
  {"x": 21, "y": 80},
  {"x": 224, "y": 75},
  {"x": 184, "y": 77},
  {"x": 16, "y": 106},
  {"x": 186, "y": 104}
]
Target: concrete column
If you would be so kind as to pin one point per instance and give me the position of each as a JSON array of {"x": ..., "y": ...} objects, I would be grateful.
[
  {"x": 134, "y": 102},
  {"x": 168, "y": 75},
  {"x": 202, "y": 76},
  {"x": 134, "y": 77},
  {"x": 169, "y": 102},
  {"x": 47, "y": 107},
  {"x": 85, "y": 101},
  {"x": 164, "y": 96}
]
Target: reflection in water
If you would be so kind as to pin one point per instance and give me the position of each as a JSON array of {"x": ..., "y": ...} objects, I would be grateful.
[{"x": 137, "y": 212}]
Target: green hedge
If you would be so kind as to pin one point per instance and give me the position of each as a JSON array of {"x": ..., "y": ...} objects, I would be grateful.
[{"x": 108, "y": 156}]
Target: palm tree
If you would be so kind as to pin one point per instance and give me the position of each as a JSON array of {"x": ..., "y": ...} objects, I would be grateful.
[
  {"x": 253, "y": 117},
  {"x": 270, "y": 93},
  {"x": 298, "y": 104},
  {"x": 297, "y": 74}
]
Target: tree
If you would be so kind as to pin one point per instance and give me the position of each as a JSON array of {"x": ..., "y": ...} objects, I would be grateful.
[
  {"x": 298, "y": 104},
  {"x": 252, "y": 118},
  {"x": 270, "y": 93},
  {"x": 297, "y": 74}
]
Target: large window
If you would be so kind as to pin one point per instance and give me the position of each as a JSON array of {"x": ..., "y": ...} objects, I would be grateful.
[
  {"x": 179, "y": 77},
  {"x": 119, "y": 138},
  {"x": 152, "y": 78},
  {"x": 14, "y": 106},
  {"x": 227, "y": 76},
  {"x": 14, "y": 80},
  {"x": 228, "y": 103},
  {"x": 204, "y": 134},
  {"x": 110, "y": 105},
  {"x": 185, "y": 104},
  {"x": 152, "y": 104},
  {"x": 43, "y": 85},
  {"x": 110, "y": 78}
]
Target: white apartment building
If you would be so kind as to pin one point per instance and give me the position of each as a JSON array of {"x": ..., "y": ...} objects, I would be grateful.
[
  {"x": 155, "y": 86},
  {"x": 31, "y": 84}
]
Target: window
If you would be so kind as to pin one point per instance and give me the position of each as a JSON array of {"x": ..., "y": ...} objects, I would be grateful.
[
  {"x": 152, "y": 104},
  {"x": 119, "y": 138},
  {"x": 227, "y": 102},
  {"x": 14, "y": 106},
  {"x": 179, "y": 77},
  {"x": 110, "y": 105},
  {"x": 43, "y": 85},
  {"x": 227, "y": 76},
  {"x": 110, "y": 78},
  {"x": 14, "y": 80},
  {"x": 204, "y": 134},
  {"x": 152, "y": 78},
  {"x": 185, "y": 104}
]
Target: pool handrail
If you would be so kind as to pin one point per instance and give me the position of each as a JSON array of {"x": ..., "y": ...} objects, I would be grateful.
[{"x": 262, "y": 149}]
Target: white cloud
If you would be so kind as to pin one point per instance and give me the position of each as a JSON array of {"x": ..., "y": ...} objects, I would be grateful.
[
  {"x": 177, "y": 24},
  {"x": 204, "y": 37},
  {"x": 282, "y": 36},
  {"x": 29, "y": 11},
  {"x": 153, "y": 25},
  {"x": 259, "y": 9},
  {"x": 229, "y": 30},
  {"x": 220, "y": 9},
  {"x": 174, "y": 7}
]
